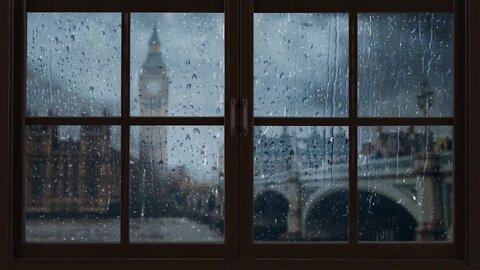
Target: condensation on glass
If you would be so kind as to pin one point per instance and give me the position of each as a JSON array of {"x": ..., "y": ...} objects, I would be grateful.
[
  {"x": 300, "y": 183},
  {"x": 177, "y": 64},
  {"x": 301, "y": 64},
  {"x": 177, "y": 184},
  {"x": 73, "y": 64},
  {"x": 72, "y": 187},
  {"x": 405, "y": 183},
  {"x": 405, "y": 63}
]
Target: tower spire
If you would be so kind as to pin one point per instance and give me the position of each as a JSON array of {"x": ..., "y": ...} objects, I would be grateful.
[
  {"x": 154, "y": 41},
  {"x": 152, "y": 145}
]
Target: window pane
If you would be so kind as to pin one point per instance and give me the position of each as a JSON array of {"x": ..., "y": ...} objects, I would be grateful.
[
  {"x": 301, "y": 64},
  {"x": 177, "y": 184},
  {"x": 72, "y": 184},
  {"x": 405, "y": 181},
  {"x": 301, "y": 184},
  {"x": 177, "y": 64},
  {"x": 73, "y": 64},
  {"x": 405, "y": 64}
]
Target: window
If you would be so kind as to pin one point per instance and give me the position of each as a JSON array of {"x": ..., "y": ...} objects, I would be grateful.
[{"x": 241, "y": 133}]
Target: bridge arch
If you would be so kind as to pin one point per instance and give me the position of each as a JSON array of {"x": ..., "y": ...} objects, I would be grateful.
[
  {"x": 270, "y": 215},
  {"x": 320, "y": 222},
  {"x": 335, "y": 224},
  {"x": 397, "y": 195},
  {"x": 383, "y": 219}
]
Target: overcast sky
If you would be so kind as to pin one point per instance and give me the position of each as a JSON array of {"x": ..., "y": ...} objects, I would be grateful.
[{"x": 301, "y": 67}]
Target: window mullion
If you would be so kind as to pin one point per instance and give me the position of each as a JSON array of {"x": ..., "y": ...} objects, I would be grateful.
[
  {"x": 352, "y": 186},
  {"x": 125, "y": 127},
  {"x": 459, "y": 124}
]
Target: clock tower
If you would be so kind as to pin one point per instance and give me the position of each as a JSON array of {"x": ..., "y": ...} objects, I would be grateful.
[{"x": 153, "y": 101}]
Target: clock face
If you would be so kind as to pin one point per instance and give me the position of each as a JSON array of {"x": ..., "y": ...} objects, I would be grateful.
[{"x": 153, "y": 87}]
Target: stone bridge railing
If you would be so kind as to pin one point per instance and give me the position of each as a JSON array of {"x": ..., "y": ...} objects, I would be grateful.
[{"x": 417, "y": 183}]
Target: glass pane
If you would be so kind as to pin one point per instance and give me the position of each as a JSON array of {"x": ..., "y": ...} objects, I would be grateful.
[
  {"x": 301, "y": 64},
  {"x": 72, "y": 186},
  {"x": 300, "y": 184},
  {"x": 405, "y": 182},
  {"x": 73, "y": 64},
  {"x": 405, "y": 64},
  {"x": 177, "y": 64},
  {"x": 177, "y": 184}
]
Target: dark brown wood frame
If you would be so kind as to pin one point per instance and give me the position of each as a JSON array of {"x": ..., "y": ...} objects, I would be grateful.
[
  {"x": 464, "y": 253},
  {"x": 352, "y": 249},
  {"x": 125, "y": 121}
]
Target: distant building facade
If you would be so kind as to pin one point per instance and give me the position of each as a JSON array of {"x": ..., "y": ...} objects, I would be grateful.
[
  {"x": 71, "y": 176},
  {"x": 285, "y": 151}
]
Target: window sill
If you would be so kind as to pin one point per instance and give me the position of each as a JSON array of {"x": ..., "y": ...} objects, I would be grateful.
[{"x": 251, "y": 264}]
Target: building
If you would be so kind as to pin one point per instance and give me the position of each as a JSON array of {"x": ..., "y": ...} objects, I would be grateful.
[
  {"x": 67, "y": 176},
  {"x": 287, "y": 150},
  {"x": 148, "y": 183}
]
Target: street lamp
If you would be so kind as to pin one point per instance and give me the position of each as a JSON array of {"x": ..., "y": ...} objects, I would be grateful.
[
  {"x": 425, "y": 98},
  {"x": 424, "y": 103},
  {"x": 429, "y": 188}
]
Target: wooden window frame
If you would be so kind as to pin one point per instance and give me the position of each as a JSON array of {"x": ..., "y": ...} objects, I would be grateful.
[
  {"x": 353, "y": 248},
  {"x": 123, "y": 249},
  {"x": 465, "y": 254}
]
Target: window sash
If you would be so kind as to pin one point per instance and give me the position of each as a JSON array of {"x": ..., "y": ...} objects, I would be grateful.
[
  {"x": 352, "y": 249},
  {"x": 239, "y": 20}
]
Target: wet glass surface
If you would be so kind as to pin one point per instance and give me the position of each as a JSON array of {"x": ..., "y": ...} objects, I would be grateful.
[
  {"x": 405, "y": 64},
  {"x": 405, "y": 182},
  {"x": 177, "y": 172},
  {"x": 301, "y": 64},
  {"x": 73, "y": 64},
  {"x": 179, "y": 58},
  {"x": 72, "y": 188},
  {"x": 177, "y": 184},
  {"x": 300, "y": 184}
]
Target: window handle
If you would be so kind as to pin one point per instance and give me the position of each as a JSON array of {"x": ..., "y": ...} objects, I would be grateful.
[
  {"x": 233, "y": 117},
  {"x": 244, "y": 117}
]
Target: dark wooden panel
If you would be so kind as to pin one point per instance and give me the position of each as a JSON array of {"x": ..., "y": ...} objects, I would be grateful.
[
  {"x": 380, "y": 264},
  {"x": 17, "y": 148},
  {"x": 459, "y": 135},
  {"x": 246, "y": 142},
  {"x": 362, "y": 121},
  {"x": 353, "y": 5},
  {"x": 474, "y": 131},
  {"x": 166, "y": 250},
  {"x": 5, "y": 142},
  {"x": 231, "y": 141},
  {"x": 364, "y": 250},
  {"x": 241, "y": 264},
  {"x": 300, "y": 121},
  {"x": 178, "y": 121},
  {"x": 440, "y": 121},
  {"x": 352, "y": 129},
  {"x": 125, "y": 132},
  {"x": 125, "y": 6}
]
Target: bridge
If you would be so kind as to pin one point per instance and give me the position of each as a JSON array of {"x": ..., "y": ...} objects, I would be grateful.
[{"x": 403, "y": 198}]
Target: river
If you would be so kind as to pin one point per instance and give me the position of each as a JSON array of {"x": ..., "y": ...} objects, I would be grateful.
[{"x": 108, "y": 230}]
